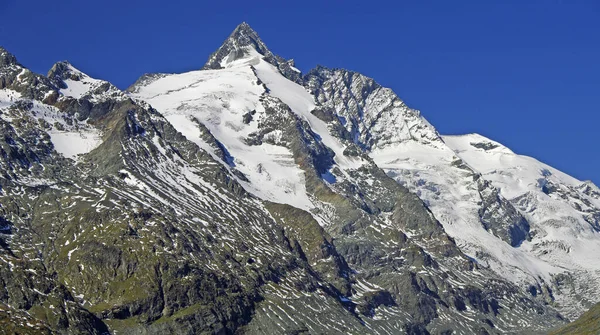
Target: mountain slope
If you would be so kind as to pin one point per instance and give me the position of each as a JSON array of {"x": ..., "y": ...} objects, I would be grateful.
[
  {"x": 587, "y": 324},
  {"x": 564, "y": 214},
  {"x": 475, "y": 208},
  {"x": 249, "y": 198}
]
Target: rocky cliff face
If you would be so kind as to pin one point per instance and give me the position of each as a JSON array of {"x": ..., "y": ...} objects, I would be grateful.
[{"x": 249, "y": 198}]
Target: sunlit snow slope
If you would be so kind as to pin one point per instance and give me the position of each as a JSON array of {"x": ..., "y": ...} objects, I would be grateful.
[
  {"x": 219, "y": 99},
  {"x": 562, "y": 210}
]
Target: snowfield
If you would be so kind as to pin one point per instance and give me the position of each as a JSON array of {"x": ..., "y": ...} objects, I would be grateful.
[
  {"x": 73, "y": 144},
  {"x": 69, "y": 139},
  {"x": 219, "y": 99}
]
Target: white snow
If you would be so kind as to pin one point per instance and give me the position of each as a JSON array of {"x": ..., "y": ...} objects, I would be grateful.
[
  {"x": 71, "y": 252},
  {"x": 73, "y": 140},
  {"x": 76, "y": 88},
  {"x": 219, "y": 99},
  {"x": 501, "y": 165},
  {"x": 74, "y": 143},
  {"x": 7, "y": 97},
  {"x": 79, "y": 88},
  {"x": 555, "y": 218},
  {"x": 84, "y": 85},
  {"x": 563, "y": 241},
  {"x": 453, "y": 198}
]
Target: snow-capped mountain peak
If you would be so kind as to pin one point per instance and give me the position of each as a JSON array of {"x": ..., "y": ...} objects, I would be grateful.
[
  {"x": 244, "y": 46},
  {"x": 240, "y": 44},
  {"x": 65, "y": 71},
  {"x": 75, "y": 84}
]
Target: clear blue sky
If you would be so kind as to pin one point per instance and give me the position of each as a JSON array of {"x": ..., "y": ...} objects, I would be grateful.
[{"x": 524, "y": 73}]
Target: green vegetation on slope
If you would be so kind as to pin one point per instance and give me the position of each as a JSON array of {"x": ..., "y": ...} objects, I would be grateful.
[{"x": 588, "y": 323}]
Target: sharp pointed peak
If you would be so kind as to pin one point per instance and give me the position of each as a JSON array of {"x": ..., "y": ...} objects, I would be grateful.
[
  {"x": 62, "y": 65},
  {"x": 6, "y": 58},
  {"x": 237, "y": 46},
  {"x": 243, "y": 35},
  {"x": 64, "y": 70},
  {"x": 245, "y": 44},
  {"x": 244, "y": 26}
]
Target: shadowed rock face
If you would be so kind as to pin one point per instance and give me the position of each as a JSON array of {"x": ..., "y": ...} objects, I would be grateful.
[
  {"x": 500, "y": 217},
  {"x": 151, "y": 232}
]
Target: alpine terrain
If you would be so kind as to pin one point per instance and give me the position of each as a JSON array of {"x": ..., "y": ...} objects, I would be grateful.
[{"x": 247, "y": 197}]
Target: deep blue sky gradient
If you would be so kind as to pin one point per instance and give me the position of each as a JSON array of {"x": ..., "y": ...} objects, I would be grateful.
[{"x": 525, "y": 73}]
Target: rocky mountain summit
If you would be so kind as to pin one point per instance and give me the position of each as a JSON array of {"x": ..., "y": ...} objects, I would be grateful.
[{"x": 249, "y": 198}]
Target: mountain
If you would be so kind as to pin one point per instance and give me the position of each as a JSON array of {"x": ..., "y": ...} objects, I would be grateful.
[{"x": 247, "y": 197}]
